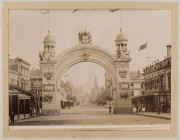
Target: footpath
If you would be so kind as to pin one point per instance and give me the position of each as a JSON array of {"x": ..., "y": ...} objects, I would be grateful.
[
  {"x": 166, "y": 116},
  {"x": 22, "y": 117}
]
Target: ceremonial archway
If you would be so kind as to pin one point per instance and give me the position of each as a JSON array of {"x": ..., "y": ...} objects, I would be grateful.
[{"x": 53, "y": 69}]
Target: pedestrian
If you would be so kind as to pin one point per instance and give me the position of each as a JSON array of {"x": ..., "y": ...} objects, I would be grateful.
[
  {"x": 12, "y": 117},
  {"x": 109, "y": 109},
  {"x": 136, "y": 108},
  {"x": 69, "y": 105},
  {"x": 158, "y": 109},
  {"x": 163, "y": 107},
  {"x": 140, "y": 109}
]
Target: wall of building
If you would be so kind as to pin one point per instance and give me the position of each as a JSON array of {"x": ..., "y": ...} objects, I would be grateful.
[
  {"x": 21, "y": 67},
  {"x": 13, "y": 77},
  {"x": 158, "y": 85}
]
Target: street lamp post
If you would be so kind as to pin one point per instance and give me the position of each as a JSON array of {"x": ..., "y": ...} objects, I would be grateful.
[
  {"x": 18, "y": 106},
  {"x": 24, "y": 107},
  {"x": 37, "y": 101},
  {"x": 33, "y": 103}
]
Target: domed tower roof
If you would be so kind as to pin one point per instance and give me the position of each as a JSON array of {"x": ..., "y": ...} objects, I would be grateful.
[
  {"x": 49, "y": 38},
  {"x": 121, "y": 37}
]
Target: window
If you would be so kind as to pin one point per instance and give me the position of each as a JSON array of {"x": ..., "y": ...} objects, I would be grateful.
[
  {"x": 162, "y": 82},
  {"x": 32, "y": 84},
  {"x": 21, "y": 70},
  {"x": 11, "y": 81},
  {"x": 132, "y": 93}
]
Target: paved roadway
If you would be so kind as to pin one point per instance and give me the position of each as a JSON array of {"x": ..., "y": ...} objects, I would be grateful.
[{"x": 91, "y": 115}]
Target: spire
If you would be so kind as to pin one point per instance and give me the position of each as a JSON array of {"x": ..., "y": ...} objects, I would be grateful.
[{"x": 120, "y": 30}]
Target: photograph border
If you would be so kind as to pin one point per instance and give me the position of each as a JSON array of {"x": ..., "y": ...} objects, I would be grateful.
[{"x": 92, "y": 133}]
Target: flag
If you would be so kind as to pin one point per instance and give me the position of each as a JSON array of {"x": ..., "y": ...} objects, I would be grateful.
[
  {"x": 75, "y": 10},
  {"x": 143, "y": 47},
  {"x": 113, "y": 10}
]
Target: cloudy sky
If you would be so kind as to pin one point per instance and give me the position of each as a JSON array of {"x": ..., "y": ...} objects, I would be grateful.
[{"x": 27, "y": 29}]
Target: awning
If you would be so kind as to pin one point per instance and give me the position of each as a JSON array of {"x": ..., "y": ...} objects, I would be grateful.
[
  {"x": 68, "y": 100},
  {"x": 13, "y": 92},
  {"x": 23, "y": 96},
  {"x": 17, "y": 93},
  {"x": 142, "y": 96}
]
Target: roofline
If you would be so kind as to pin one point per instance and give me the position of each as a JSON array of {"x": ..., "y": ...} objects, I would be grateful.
[{"x": 22, "y": 60}]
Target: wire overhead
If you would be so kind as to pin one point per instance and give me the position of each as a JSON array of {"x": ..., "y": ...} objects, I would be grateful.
[
  {"x": 48, "y": 21},
  {"x": 120, "y": 20},
  {"x": 85, "y": 19},
  {"x": 47, "y": 12}
]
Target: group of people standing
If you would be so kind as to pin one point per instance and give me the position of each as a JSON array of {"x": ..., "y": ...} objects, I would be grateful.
[
  {"x": 110, "y": 109},
  {"x": 159, "y": 108},
  {"x": 139, "y": 108},
  {"x": 152, "y": 108},
  {"x": 12, "y": 115}
]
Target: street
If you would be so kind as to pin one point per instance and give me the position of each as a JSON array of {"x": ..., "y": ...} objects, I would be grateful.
[{"x": 91, "y": 115}]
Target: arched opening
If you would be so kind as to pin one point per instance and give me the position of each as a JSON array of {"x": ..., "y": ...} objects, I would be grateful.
[
  {"x": 85, "y": 53},
  {"x": 86, "y": 85}
]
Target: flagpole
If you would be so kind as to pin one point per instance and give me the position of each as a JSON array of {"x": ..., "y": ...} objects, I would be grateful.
[
  {"x": 48, "y": 21},
  {"x": 120, "y": 19},
  {"x": 85, "y": 19},
  {"x": 147, "y": 55}
]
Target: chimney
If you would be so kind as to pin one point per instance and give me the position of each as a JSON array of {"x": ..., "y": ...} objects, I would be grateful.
[{"x": 168, "y": 51}]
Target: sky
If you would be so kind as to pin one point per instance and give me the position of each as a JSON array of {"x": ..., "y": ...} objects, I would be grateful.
[{"x": 27, "y": 29}]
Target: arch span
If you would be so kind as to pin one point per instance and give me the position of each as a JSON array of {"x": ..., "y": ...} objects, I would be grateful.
[
  {"x": 95, "y": 54},
  {"x": 85, "y": 53}
]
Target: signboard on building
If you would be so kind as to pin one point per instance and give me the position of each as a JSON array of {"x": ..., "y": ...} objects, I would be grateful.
[
  {"x": 49, "y": 87},
  {"x": 123, "y": 85}
]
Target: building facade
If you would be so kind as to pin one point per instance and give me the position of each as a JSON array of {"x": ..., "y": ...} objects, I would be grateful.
[
  {"x": 157, "y": 85},
  {"x": 19, "y": 87},
  {"x": 13, "y": 77},
  {"x": 136, "y": 87},
  {"x": 21, "y": 67}
]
